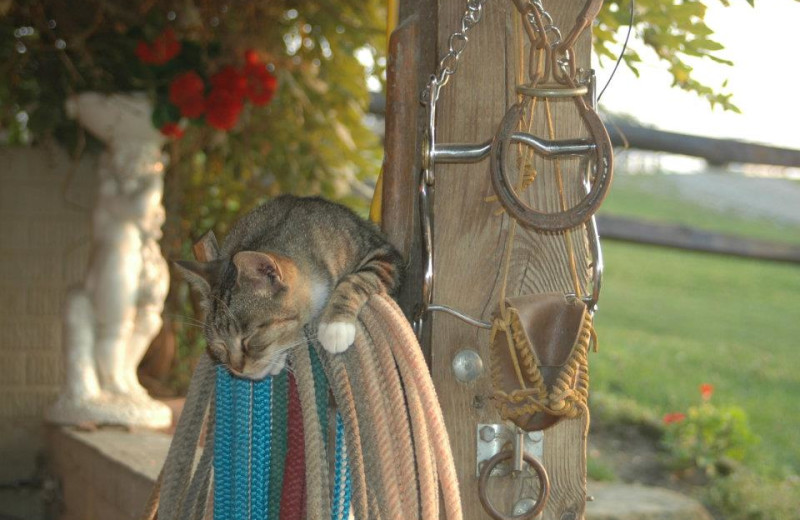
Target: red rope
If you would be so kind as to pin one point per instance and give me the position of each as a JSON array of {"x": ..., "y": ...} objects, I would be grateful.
[{"x": 293, "y": 498}]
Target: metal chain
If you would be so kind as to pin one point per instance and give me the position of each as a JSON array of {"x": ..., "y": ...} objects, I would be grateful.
[{"x": 456, "y": 44}]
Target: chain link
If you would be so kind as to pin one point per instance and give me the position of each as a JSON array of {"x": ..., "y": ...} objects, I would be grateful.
[{"x": 456, "y": 44}]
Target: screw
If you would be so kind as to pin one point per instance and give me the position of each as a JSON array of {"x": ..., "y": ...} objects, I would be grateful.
[{"x": 488, "y": 434}]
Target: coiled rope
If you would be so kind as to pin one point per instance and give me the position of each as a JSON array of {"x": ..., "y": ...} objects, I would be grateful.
[{"x": 384, "y": 454}]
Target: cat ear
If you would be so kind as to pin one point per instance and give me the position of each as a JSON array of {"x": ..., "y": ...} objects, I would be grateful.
[
  {"x": 201, "y": 275},
  {"x": 257, "y": 270}
]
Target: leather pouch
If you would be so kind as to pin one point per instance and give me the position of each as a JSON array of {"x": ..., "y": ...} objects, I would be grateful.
[{"x": 539, "y": 357}]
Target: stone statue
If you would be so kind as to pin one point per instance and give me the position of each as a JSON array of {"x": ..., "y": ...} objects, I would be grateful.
[{"x": 111, "y": 318}]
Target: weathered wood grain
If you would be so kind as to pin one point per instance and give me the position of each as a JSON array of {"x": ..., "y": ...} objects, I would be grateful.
[{"x": 469, "y": 241}]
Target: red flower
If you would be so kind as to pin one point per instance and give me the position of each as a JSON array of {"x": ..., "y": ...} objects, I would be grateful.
[
  {"x": 165, "y": 47},
  {"x": 229, "y": 80},
  {"x": 187, "y": 93},
  {"x": 706, "y": 390},
  {"x": 223, "y": 108},
  {"x": 251, "y": 57},
  {"x": 674, "y": 417},
  {"x": 172, "y": 130},
  {"x": 260, "y": 83}
]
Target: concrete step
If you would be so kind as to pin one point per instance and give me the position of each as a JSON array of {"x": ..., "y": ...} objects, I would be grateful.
[{"x": 616, "y": 501}]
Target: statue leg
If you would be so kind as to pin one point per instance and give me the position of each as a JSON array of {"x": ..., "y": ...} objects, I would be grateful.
[
  {"x": 82, "y": 384},
  {"x": 146, "y": 326},
  {"x": 116, "y": 284}
]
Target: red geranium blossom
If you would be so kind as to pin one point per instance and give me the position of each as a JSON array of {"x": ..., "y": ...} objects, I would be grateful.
[
  {"x": 260, "y": 83},
  {"x": 187, "y": 93},
  {"x": 172, "y": 130},
  {"x": 230, "y": 80},
  {"x": 251, "y": 57},
  {"x": 223, "y": 108},
  {"x": 674, "y": 417},
  {"x": 165, "y": 47},
  {"x": 706, "y": 390}
]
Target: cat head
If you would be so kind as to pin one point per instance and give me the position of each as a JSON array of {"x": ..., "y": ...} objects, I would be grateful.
[{"x": 256, "y": 304}]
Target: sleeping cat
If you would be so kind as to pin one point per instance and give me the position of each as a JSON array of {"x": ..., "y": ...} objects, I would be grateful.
[{"x": 283, "y": 265}]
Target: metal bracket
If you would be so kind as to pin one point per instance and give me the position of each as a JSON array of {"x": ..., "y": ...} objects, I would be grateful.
[{"x": 491, "y": 439}]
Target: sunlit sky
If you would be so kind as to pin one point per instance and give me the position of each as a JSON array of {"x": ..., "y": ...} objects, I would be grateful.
[{"x": 764, "y": 44}]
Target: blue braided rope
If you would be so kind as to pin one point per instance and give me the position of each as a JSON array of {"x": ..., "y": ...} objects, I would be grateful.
[
  {"x": 348, "y": 488},
  {"x": 242, "y": 435},
  {"x": 278, "y": 437},
  {"x": 223, "y": 449},
  {"x": 262, "y": 432}
]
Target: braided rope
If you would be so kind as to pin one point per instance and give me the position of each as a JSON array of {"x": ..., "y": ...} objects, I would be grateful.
[
  {"x": 242, "y": 445},
  {"x": 197, "y": 494},
  {"x": 293, "y": 500},
  {"x": 262, "y": 444},
  {"x": 318, "y": 501},
  {"x": 223, "y": 446},
  {"x": 278, "y": 436},
  {"x": 341, "y": 480},
  {"x": 170, "y": 493},
  {"x": 372, "y": 406},
  {"x": 343, "y": 393},
  {"x": 413, "y": 368},
  {"x": 401, "y": 421},
  {"x": 425, "y": 458}
]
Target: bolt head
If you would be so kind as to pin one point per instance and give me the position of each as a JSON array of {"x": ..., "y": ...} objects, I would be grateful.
[{"x": 487, "y": 434}]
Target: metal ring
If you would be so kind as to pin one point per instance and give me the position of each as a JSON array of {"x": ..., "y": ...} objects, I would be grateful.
[
  {"x": 562, "y": 220},
  {"x": 544, "y": 489}
]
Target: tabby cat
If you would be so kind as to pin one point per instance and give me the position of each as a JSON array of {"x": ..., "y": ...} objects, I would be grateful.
[{"x": 288, "y": 263}]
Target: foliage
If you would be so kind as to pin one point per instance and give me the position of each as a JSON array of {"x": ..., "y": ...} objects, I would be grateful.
[
  {"x": 675, "y": 31},
  {"x": 745, "y": 495},
  {"x": 708, "y": 436},
  {"x": 312, "y": 138}
]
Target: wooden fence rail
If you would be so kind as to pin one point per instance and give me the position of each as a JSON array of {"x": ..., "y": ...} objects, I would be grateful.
[
  {"x": 684, "y": 237},
  {"x": 715, "y": 151}
]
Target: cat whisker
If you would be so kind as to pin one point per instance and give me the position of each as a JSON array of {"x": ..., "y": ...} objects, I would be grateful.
[{"x": 186, "y": 320}]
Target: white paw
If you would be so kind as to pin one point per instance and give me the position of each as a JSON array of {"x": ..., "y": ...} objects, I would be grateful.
[
  {"x": 337, "y": 336},
  {"x": 276, "y": 365}
]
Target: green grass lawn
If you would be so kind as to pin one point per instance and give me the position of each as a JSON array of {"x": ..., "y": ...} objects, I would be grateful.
[
  {"x": 670, "y": 320},
  {"x": 656, "y": 198}
]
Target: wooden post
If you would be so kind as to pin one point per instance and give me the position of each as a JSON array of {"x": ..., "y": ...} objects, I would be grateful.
[{"x": 469, "y": 234}]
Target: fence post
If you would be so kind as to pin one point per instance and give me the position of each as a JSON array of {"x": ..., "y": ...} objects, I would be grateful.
[{"x": 469, "y": 235}]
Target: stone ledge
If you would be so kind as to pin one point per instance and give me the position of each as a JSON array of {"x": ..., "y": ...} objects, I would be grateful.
[
  {"x": 106, "y": 474},
  {"x": 633, "y": 502}
]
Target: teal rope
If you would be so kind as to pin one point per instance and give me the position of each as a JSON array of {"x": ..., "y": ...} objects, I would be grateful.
[
  {"x": 262, "y": 440},
  {"x": 223, "y": 448},
  {"x": 280, "y": 399},
  {"x": 320, "y": 388},
  {"x": 242, "y": 436},
  {"x": 341, "y": 472}
]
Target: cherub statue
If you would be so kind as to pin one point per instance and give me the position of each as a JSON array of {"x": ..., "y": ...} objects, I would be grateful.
[{"x": 111, "y": 318}]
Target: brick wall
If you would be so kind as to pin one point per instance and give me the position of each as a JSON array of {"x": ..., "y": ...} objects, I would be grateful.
[{"x": 45, "y": 200}]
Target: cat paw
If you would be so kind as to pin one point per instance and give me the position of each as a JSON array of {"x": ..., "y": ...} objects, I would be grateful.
[{"x": 335, "y": 337}]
